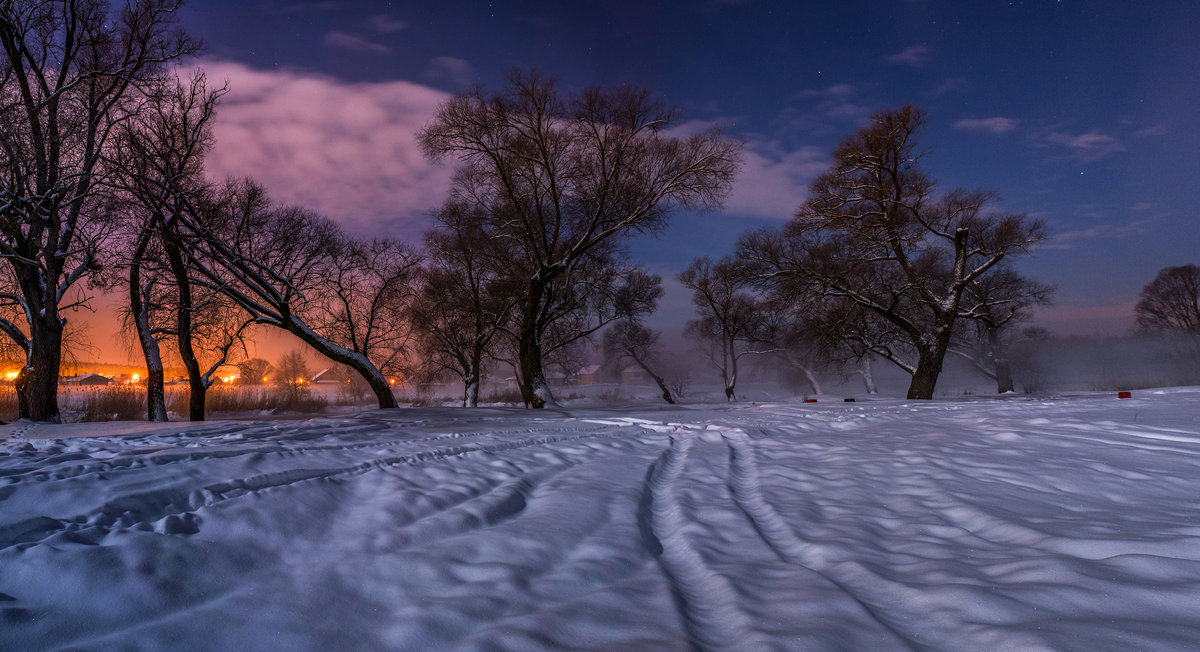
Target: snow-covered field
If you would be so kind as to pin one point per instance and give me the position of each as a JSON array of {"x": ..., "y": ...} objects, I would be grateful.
[{"x": 986, "y": 524}]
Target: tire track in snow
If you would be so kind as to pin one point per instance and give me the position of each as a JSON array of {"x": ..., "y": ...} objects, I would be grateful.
[
  {"x": 746, "y": 488},
  {"x": 706, "y": 599}
]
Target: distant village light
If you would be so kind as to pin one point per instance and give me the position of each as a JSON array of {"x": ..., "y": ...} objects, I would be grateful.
[{"x": 12, "y": 374}]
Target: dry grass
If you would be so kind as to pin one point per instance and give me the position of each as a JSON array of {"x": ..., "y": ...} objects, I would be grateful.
[
  {"x": 8, "y": 403},
  {"x": 221, "y": 399}
]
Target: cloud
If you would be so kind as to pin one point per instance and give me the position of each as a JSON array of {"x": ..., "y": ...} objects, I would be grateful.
[
  {"x": 345, "y": 150},
  {"x": 1156, "y": 130},
  {"x": 355, "y": 43},
  {"x": 1071, "y": 239},
  {"x": 814, "y": 108},
  {"x": 913, "y": 55},
  {"x": 990, "y": 125},
  {"x": 452, "y": 69},
  {"x": 773, "y": 180},
  {"x": 386, "y": 24},
  {"x": 1086, "y": 148}
]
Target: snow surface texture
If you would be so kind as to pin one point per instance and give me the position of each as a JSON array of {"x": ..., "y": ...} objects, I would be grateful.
[{"x": 1008, "y": 524}]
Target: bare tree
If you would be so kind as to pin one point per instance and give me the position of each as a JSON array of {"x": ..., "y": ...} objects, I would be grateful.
[
  {"x": 630, "y": 340},
  {"x": 873, "y": 233},
  {"x": 292, "y": 374},
  {"x": 563, "y": 177},
  {"x": 254, "y": 371},
  {"x": 159, "y": 168},
  {"x": 1171, "y": 302},
  {"x": 994, "y": 304},
  {"x": 464, "y": 301},
  {"x": 732, "y": 322},
  {"x": 278, "y": 265},
  {"x": 362, "y": 303},
  {"x": 71, "y": 72}
]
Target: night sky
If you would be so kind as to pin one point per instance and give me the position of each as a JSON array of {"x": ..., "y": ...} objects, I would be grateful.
[{"x": 1081, "y": 113}]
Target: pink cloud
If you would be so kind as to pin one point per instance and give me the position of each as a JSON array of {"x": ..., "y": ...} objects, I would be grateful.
[
  {"x": 773, "y": 181},
  {"x": 345, "y": 150}
]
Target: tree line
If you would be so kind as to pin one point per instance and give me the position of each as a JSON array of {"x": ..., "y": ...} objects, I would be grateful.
[{"x": 102, "y": 184}]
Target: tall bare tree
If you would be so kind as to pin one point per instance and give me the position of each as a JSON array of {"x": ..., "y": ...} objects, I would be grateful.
[
  {"x": 465, "y": 299},
  {"x": 732, "y": 323},
  {"x": 72, "y": 70},
  {"x": 158, "y": 163},
  {"x": 874, "y": 233},
  {"x": 565, "y": 177}
]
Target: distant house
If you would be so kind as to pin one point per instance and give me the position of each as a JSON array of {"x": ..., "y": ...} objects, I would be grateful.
[
  {"x": 327, "y": 376},
  {"x": 587, "y": 375},
  {"x": 87, "y": 380},
  {"x": 633, "y": 375}
]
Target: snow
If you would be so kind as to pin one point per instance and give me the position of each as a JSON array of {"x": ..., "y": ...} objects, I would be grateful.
[{"x": 1001, "y": 523}]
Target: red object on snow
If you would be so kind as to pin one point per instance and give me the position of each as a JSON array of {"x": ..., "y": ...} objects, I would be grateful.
[
  {"x": 810, "y": 400},
  {"x": 1124, "y": 395}
]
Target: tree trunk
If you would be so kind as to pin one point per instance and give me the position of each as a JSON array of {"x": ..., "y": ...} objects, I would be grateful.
[
  {"x": 471, "y": 385},
  {"x": 474, "y": 372},
  {"x": 812, "y": 380},
  {"x": 1004, "y": 379},
  {"x": 535, "y": 391},
  {"x": 353, "y": 359},
  {"x": 662, "y": 384},
  {"x": 156, "y": 399},
  {"x": 37, "y": 384},
  {"x": 864, "y": 369},
  {"x": 197, "y": 389},
  {"x": 924, "y": 378},
  {"x": 730, "y": 375}
]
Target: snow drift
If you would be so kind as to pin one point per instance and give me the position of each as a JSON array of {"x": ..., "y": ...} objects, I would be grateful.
[{"x": 1065, "y": 523}]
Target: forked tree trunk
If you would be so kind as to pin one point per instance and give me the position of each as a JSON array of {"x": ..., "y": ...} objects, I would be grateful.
[
  {"x": 197, "y": 389},
  {"x": 535, "y": 391},
  {"x": 730, "y": 373},
  {"x": 156, "y": 399}
]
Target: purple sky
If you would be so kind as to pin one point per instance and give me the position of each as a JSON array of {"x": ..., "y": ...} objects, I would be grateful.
[{"x": 1081, "y": 113}]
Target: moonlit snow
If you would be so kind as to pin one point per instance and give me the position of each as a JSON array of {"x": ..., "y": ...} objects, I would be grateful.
[{"x": 1060, "y": 523}]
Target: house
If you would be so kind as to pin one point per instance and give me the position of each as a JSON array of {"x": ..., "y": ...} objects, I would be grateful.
[
  {"x": 326, "y": 376},
  {"x": 633, "y": 375},
  {"x": 587, "y": 375},
  {"x": 87, "y": 380}
]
